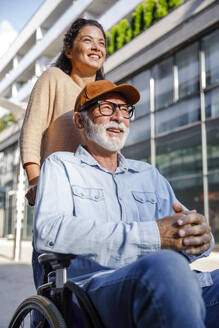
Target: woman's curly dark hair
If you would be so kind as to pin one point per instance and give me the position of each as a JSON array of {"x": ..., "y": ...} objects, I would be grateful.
[{"x": 62, "y": 61}]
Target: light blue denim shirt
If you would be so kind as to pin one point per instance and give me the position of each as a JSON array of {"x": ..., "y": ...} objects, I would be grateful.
[{"x": 107, "y": 219}]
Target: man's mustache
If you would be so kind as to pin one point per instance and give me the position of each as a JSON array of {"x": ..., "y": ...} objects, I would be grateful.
[{"x": 116, "y": 125}]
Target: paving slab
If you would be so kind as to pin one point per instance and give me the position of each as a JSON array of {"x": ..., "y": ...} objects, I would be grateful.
[{"x": 16, "y": 283}]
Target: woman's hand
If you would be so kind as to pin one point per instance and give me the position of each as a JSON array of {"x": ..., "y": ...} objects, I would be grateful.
[
  {"x": 33, "y": 172},
  {"x": 31, "y": 195}
]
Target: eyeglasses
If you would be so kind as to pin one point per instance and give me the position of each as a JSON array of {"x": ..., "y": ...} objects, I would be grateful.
[{"x": 108, "y": 108}]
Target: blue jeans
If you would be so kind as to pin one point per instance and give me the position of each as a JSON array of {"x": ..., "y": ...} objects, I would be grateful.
[
  {"x": 159, "y": 290},
  {"x": 211, "y": 299}
]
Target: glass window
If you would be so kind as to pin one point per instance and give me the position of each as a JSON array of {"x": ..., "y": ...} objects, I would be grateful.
[
  {"x": 180, "y": 114},
  {"x": 163, "y": 80},
  {"x": 142, "y": 82},
  {"x": 189, "y": 191},
  {"x": 187, "y": 61},
  {"x": 10, "y": 212},
  {"x": 180, "y": 154},
  {"x": 28, "y": 222},
  {"x": 211, "y": 49},
  {"x": 2, "y": 199},
  {"x": 140, "y": 151},
  {"x": 213, "y": 145},
  {"x": 213, "y": 197},
  {"x": 139, "y": 130},
  {"x": 212, "y": 103}
]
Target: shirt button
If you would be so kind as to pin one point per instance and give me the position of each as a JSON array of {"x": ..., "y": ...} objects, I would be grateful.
[
  {"x": 153, "y": 200},
  {"x": 96, "y": 197},
  {"x": 81, "y": 194},
  {"x": 51, "y": 244},
  {"x": 120, "y": 198}
]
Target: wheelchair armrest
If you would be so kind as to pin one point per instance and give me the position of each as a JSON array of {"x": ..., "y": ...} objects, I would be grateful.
[{"x": 55, "y": 260}]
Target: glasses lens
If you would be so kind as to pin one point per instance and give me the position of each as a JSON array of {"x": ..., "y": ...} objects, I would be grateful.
[
  {"x": 124, "y": 108},
  {"x": 106, "y": 108},
  {"x": 131, "y": 111}
]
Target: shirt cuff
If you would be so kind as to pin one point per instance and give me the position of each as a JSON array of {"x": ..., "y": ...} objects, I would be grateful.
[{"x": 150, "y": 237}]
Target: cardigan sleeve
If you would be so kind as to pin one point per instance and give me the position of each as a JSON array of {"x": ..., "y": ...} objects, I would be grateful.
[{"x": 37, "y": 118}]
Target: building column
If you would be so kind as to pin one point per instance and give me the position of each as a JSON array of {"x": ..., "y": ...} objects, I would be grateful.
[
  {"x": 20, "y": 201},
  {"x": 152, "y": 119},
  {"x": 204, "y": 134}
]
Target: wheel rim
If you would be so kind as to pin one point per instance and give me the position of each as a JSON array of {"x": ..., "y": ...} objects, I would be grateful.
[
  {"x": 37, "y": 312},
  {"x": 32, "y": 318}
]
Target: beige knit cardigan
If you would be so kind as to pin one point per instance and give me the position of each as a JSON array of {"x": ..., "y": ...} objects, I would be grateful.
[{"x": 48, "y": 125}]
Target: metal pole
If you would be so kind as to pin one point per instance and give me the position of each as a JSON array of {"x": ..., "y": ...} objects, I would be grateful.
[
  {"x": 152, "y": 116},
  {"x": 19, "y": 212},
  {"x": 204, "y": 134}
]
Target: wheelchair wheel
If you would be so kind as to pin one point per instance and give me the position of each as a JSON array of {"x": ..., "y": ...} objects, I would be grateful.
[{"x": 37, "y": 312}]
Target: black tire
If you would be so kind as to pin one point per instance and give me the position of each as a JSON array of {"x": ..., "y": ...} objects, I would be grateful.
[{"x": 48, "y": 312}]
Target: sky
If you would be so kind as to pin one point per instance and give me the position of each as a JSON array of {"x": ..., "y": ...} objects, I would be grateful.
[{"x": 14, "y": 14}]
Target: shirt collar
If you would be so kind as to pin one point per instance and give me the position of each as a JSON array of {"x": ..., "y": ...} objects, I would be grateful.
[{"x": 86, "y": 158}]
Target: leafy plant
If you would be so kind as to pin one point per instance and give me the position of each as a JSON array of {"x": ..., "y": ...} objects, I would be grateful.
[
  {"x": 174, "y": 3},
  {"x": 6, "y": 121},
  {"x": 146, "y": 13},
  {"x": 138, "y": 19},
  {"x": 113, "y": 40},
  {"x": 161, "y": 9},
  {"x": 124, "y": 33}
]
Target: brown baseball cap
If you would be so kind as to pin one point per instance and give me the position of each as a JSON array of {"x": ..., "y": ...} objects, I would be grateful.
[{"x": 95, "y": 90}]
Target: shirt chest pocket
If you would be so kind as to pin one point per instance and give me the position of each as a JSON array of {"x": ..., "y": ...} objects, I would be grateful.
[
  {"x": 147, "y": 205},
  {"x": 89, "y": 202}
]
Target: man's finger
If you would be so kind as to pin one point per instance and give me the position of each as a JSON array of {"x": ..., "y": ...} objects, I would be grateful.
[
  {"x": 194, "y": 230},
  {"x": 198, "y": 240},
  {"x": 191, "y": 218},
  {"x": 177, "y": 208},
  {"x": 198, "y": 250}
]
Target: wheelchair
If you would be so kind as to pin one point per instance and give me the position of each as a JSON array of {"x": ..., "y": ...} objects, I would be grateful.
[{"x": 50, "y": 308}]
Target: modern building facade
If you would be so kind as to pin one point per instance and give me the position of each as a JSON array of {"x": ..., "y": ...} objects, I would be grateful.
[
  {"x": 176, "y": 123},
  {"x": 174, "y": 63}
]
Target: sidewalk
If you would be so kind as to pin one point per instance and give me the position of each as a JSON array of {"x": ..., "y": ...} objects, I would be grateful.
[
  {"x": 7, "y": 250},
  {"x": 16, "y": 283}
]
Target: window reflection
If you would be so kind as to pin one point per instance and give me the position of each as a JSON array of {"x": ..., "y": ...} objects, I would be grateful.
[
  {"x": 28, "y": 225},
  {"x": 213, "y": 145},
  {"x": 190, "y": 192},
  {"x": 163, "y": 79},
  {"x": 212, "y": 103},
  {"x": 213, "y": 198},
  {"x": 211, "y": 49},
  {"x": 180, "y": 114},
  {"x": 140, "y": 151},
  {"x": 139, "y": 130},
  {"x": 142, "y": 82},
  {"x": 180, "y": 154},
  {"x": 187, "y": 61}
]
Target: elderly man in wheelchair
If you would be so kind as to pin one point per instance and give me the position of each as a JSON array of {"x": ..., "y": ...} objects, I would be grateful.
[{"x": 131, "y": 240}]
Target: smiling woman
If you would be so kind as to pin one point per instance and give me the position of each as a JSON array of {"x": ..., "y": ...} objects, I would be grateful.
[
  {"x": 48, "y": 125},
  {"x": 88, "y": 52}
]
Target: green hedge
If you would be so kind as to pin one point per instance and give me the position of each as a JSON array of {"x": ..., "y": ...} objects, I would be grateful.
[
  {"x": 6, "y": 121},
  {"x": 146, "y": 14}
]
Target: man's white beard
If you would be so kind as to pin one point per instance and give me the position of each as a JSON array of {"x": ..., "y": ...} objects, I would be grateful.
[{"x": 98, "y": 134}]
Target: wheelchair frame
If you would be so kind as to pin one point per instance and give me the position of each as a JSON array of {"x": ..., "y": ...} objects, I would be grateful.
[{"x": 53, "y": 297}]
